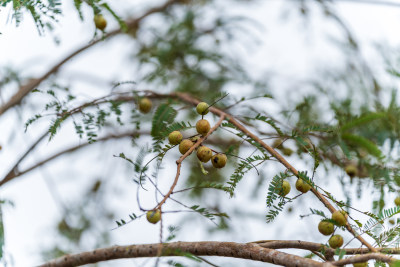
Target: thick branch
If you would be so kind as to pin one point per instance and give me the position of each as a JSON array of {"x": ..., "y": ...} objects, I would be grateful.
[
  {"x": 222, "y": 249},
  {"x": 33, "y": 83}
]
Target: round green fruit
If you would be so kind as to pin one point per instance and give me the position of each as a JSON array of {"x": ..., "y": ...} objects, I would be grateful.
[
  {"x": 326, "y": 228},
  {"x": 336, "y": 241},
  {"x": 339, "y": 217},
  {"x": 285, "y": 188},
  {"x": 202, "y": 108},
  {"x": 204, "y": 154},
  {"x": 351, "y": 170},
  {"x": 287, "y": 151},
  {"x": 360, "y": 264},
  {"x": 397, "y": 201},
  {"x": 100, "y": 22},
  {"x": 153, "y": 216},
  {"x": 185, "y": 145},
  {"x": 203, "y": 127},
  {"x": 175, "y": 137},
  {"x": 219, "y": 160},
  {"x": 302, "y": 186},
  {"x": 278, "y": 143},
  {"x": 391, "y": 221},
  {"x": 145, "y": 105}
]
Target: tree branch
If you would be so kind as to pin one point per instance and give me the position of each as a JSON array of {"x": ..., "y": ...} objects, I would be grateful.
[{"x": 222, "y": 249}]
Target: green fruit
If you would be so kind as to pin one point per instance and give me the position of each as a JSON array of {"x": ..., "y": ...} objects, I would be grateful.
[
  {"x": 339, "y": 217},
  {"x": 194, "y": 139},
  {"x": 175, "y": 137},
  {"x": 204, "y": 154},
  {"x": 185, "y": 145},
  {"x": 202, "y": 108},
  {"x": 100, "y": 22},
  {"x": 145, "y": 105},
  {"x": 391, "y": 221},
  {"x": 203, "y": 127},
  {"x": 287, "y": 151},
  {"x": 219, "y": 160},
  {"x": 336, "y": 241},
  {"x": 277, "y": 143},
  {"x": 360, "y": 264},
  {"x": 285, "y": 188},
  {"x": 326, "y": 228},
  {"x": 153, "y": 216},
  {"x": 397, "y": 201},
  {"x": 302, "y": 186},
  {"x": 351, "y": 170}
]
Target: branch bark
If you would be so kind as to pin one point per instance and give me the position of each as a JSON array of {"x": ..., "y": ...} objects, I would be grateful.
[{"x": 222, "y": 249}]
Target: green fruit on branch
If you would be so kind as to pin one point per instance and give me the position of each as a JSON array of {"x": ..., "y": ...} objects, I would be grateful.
[
  {"x": 397, "y": 201},
  {"x": 203, "y": 127},
  {"x": 194, "y": 139},
  {"x": 219, "y": 160},
  {"x": 175, "y": 137},
  {"x": 185, "y": 145},
  {"x": 202, "y": 108},
  {"x": 204, "y": 154},
  {"x": 336, "y": 241},
  {"x": 326, "y": 228},
  {"x": 278, "y": 143},
  {"x": 287, "y": 151},
  {"x": 285, "y": 188},
  {"x": 100, "y": 22},
  {"x": 153, "y": 216},
  {"x": 351, "y": 170},
  {"x": 145, "y": 105},
  {"x": 302, "y": 186},
  {"x": 360, "y": 264},
  {"x": 339, "y": 217}
]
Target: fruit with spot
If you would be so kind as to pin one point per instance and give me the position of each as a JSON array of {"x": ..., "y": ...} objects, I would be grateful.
[
  {"x": 285, "y": 188},
  {"x": 326, "y": 228},
  {"x": 153, "y": 216},
  {"x": 185, "y": 145},
  {"x": 175, "y": 137},
  {"x": 351, "y": 170},
  {"x": 145, "y": 105},
  {"x": 336, "y": 241},
  {"x": 100, "y": 22},
  {"x": 202, "y": 108},
  {"x": 203, "y": 127},
  {"x": 397, "y": 201},
  {"x": 302, "y": 186},
  {"x": 219, "y": 160},
  {"x": 204, "y": 154},
  {"x": 339, "y": 217}
]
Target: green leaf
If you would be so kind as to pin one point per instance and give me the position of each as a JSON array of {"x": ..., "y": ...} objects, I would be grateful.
[{"x": 364, "y": 143}]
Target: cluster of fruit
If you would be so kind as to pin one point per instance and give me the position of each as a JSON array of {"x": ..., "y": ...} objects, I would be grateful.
[
  {"x": 327, "y": 228},
  {"x": 301, "y": 185},
  {"x": 204, "y": 154}
]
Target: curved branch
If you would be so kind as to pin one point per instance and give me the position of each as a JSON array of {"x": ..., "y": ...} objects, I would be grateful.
[
  {"x": 33, "y": 83},
  {"x": 222, "y": 249}
]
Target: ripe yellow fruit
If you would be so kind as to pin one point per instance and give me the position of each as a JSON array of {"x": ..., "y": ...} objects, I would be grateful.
[
  {"x": 360, "y": 264},
  {"x": 326, "y": 228},
  {"x": 336, "y": 241},
  {"x": 204, "y": 154},
  {"x": 185, "y": 145},
  {"x": 203, "y": 127},
  {"x": 397, "y": 201},
  {"x": 145, "y": 105},
  {"x": 339, "y": 217},
  {"x": 202, "y": 108},
  {"x": 302, "y": 186},
  {"x": 351, "y": 170},
  {"x": 100, "y": 22},
  {"x": 219, "y": 160},
  {"x": 175, "y": 137},
  {"x": 153, "y": 216},
  {"x": 285, "y": 188}
]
